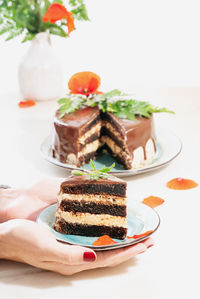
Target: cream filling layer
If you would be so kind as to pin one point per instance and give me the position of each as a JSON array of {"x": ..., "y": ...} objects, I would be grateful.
[
  {"x": 95, "y": 129},
  {"x": 118, "y": 151},
  {"x": 138, "y": 154},
  {"x": 112, "y": 129},
  {"x": 107, "y": 200},
  {"x": 91, "y": 219},
  {"x": 89, "y": 148}
]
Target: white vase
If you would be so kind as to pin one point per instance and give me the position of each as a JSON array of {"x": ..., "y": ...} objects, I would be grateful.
[{"x": 40, "y": 73}]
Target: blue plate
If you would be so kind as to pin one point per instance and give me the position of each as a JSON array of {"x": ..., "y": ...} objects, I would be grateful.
[{"x": 140, "y": 219}]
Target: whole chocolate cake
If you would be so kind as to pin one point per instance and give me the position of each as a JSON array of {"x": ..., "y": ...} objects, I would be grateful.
[
  {"x": 89, "y": 121},
  {"x": 79, "y": 136}
]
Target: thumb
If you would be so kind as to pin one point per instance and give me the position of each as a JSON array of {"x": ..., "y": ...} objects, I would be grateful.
[{"x": 74, "y": 255}]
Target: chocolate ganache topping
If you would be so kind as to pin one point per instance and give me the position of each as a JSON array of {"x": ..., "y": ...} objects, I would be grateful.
[{"x": 69, "y": 128}]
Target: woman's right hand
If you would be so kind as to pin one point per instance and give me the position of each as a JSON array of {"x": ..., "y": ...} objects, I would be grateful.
[{"x": 28, "y": 242}]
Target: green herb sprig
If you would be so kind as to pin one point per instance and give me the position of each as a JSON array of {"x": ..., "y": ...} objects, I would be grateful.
[
  {"x": 68, "y": 105},
  {"x": 95, "y": 174},
  {"x": 111, "y": 101}
]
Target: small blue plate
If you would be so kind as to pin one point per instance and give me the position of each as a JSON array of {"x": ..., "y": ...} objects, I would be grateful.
[{"x": 140, "y": 219}]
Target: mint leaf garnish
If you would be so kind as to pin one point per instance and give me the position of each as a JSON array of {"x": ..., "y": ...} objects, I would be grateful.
[
  {"x": 69, "y": 105},
  {"x": 112, "y": 101},
  {"x": 114, "y": 93},
  {"x": 95, "y": 174}
]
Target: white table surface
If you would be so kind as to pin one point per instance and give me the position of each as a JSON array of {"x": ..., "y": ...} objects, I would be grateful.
[{"x": 170, "y": 269}]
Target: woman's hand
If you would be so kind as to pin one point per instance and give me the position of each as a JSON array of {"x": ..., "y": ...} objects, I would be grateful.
[
  {"x": 31, "y": 243},
  {"x": 27, "y": 203}
]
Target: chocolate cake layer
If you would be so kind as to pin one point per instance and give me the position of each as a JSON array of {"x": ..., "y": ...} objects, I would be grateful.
[
  {"x": 83, "y": 185},
  {"x": 86, "y": 159},
  {"x": 107, "y": 117},
  {"x": 92, "y": 207},
  {"x": 90, "y": 230},
  {"x": 91, "y": 124},
  {"x": 118, "y": 141},
  {"x": 102, "y": 199}
]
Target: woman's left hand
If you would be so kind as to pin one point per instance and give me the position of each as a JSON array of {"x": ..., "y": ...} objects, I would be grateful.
[{"x": 27, "y": 203}]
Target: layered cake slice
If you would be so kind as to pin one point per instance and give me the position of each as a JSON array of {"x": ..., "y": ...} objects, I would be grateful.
[
  {"x": 76, "y": 136},
  {"x": 91, "y": 207},
  {"x": 132, "y": 143}
]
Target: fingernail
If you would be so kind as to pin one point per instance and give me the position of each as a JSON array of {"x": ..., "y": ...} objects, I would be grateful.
[
  {"x": 150, "y": 245},
  {"x": 89, "y": 256}
]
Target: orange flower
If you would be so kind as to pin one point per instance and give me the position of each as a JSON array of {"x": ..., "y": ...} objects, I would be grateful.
[
  {"x": 181, "y": 184},
  {"x": 104, "y": 240},
  {"x": 84, "y": 83},
  {"x": 57, "y": 12},
  {"x": 141, "y": 235},
  {"x": 153, "y": 201}
]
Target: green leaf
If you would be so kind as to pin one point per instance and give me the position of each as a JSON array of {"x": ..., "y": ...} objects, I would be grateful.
[
  {"x": 113, "y": 93},
  {"x": 79, "y": 10},
  {"x": 113, "y": 165},
  {"x": 5, "y": 28},
  {"x": 95, "y": 174},
  {"x": 14, "y": 33},
  {"x": 28, "y": 36},
  {"x": 69, "y": 105},
  {"x": 57, "y": 30},
  {"x": 73, "y": 2},
  {"x": 80, "y": 13},
  {"x": 123, "y": 108},
  {"x": 63, "y": 100},
  {"x": 77, "y": 172},
  {"x": 92, "y": 164},
  {"x": 107, "y": 169}
]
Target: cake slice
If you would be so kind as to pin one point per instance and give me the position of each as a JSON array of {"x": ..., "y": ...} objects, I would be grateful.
[
  {"x": 76, "y": 136},
  {"x": 89, "y": 207},
  {"x": 132, "y": 143}
]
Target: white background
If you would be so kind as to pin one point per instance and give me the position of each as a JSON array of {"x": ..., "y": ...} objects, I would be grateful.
[{"x": 129, "y": 43}]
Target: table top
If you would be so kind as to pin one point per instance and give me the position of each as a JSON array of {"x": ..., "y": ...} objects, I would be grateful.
[{"x": 169, "y": 269}]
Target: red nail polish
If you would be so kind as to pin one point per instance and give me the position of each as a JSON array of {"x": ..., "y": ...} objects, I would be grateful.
[
  {"x": 89, "y": 256},
  {"x": 150, "y": 245}
]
